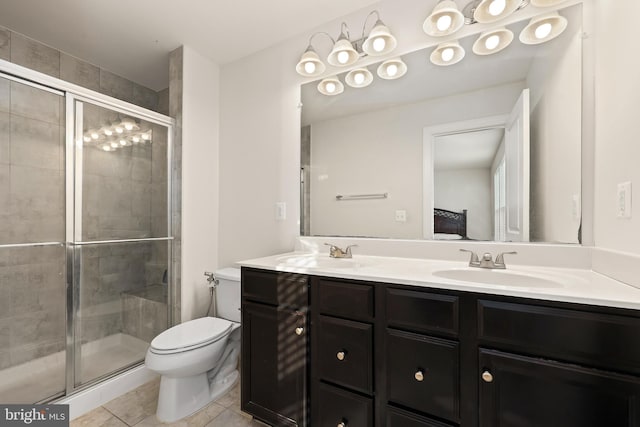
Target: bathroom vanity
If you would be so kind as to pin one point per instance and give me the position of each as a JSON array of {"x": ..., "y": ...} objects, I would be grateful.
[{"x": 388, "y": 342}]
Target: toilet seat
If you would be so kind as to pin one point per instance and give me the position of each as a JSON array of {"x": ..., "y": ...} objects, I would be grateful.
[{"x": 191, "y": 335}]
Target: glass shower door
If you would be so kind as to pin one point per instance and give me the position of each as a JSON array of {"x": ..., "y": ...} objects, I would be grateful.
[
  {"x": 33, "y": 337},
  {"x": 121, "y": 238}
]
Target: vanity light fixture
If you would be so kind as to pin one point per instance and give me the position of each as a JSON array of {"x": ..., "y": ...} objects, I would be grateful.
[
  {"x": 492, "y": 41},
  {"x": 331, "y": 86},
  {"x": 445, "y": 19},
  {"x": 358, "y": 78},
  {"x": 543, "y": 28},
  {"x": 392, "y": 69},
  {"x": 489, "y": 11},
  {"x": 345, "y": 52},
  {"x": 129, "y": 124},
  {"x": 447, "y": 54}
]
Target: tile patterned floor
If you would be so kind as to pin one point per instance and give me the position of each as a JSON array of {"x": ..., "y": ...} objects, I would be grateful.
[{"x": 138, "y": 407}]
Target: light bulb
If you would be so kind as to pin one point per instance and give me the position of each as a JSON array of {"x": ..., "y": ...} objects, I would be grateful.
[
  {"x": 447, "y": 54},
  {"x": 106, "y": 147},
  {"x": 123, "y": 142},
  {"x": 492, "y": 42},
  {"x": 119, "y": 129},
  {"x": 87, "y": 139},
  {"x": 128, "y": 126},
  {"x": 358, "y": 78},
  {"x": 392, "y": 70},
  {"x": 135, "y": 139},
  {"x": 343, "y": 57},
  {"x": 145, "y": 136},
  {"x": 330, "y": 87},
  {"x": 379, "y": 44},
  {"x": 95, "y": 135},
  {"x": 444, "y": 22},
  {"x": 114, "y": 144},
  {"x": 497, "y": 7},
  {"x": 309, "y": 67},
  {"x": 108, "y": 132},
  {"x": 543, "y": 30}
]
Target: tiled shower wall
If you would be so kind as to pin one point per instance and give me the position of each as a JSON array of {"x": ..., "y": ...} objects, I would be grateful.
[{"x": 21, "y": 50}]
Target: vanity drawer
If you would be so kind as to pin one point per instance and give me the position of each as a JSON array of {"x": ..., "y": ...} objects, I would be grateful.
[
  {"x": 337, "y": 406},
  {"x": 423, "y": 373},
  {"x": 599, "y": 339},
  {"x": 345, "y": 353},
  {"x": 399, "y": 418},
  {"x": 276, "y": 288},
  {"x": 353, "y": 301},
  {"x": 422, "y": 311}
]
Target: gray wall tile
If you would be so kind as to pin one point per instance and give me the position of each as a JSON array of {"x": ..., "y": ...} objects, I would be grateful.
[
  {"x": 32, "y": 54},
  {"x": 163, "y": 102},
  {"x": 145, "y": 97},
  {"x": 116, "y": 86},
  {"x": 5, "y": 138},
  {"x": 5, "y": 99},
  {"x": 35, "y": 143},
  {"x": 35, "y": 103},
  {"x": 5, "y": 44},
  {"x": 82, "y": 73}
]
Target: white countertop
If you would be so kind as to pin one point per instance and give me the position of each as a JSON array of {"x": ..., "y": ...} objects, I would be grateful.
[{"x": 552, "y": 284}]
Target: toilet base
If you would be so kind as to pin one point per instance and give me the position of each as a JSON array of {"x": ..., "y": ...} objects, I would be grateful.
[{"x": 181, "y": 397}]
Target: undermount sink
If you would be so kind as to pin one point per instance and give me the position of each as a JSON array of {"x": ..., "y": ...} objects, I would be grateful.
[
  {"x": 499, "y": 277},
  {"x": 319, "y": 261}
]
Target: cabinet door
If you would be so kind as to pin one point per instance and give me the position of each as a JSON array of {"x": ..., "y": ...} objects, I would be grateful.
[
  {"x": 519, "y": 391},
  {"x": 274, "y": 366}
]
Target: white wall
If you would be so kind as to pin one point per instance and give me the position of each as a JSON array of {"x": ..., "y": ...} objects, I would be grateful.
[
  {"x": 363, "y": 153},
  {"x": 617, "y": 112},
  {"x": 556, "y": 138},
  {"x": 472, "y": 191},
  {"x": 200, "y": 181}
]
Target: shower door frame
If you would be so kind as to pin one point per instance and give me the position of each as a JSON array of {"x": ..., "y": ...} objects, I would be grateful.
[{"x": 73, "y": 180}]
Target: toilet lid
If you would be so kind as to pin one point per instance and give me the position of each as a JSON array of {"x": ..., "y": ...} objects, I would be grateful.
[{"x": 194, "y": 333}]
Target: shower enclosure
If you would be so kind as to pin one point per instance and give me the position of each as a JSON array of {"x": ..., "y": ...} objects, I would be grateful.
[{"x": 85, "y": 237}]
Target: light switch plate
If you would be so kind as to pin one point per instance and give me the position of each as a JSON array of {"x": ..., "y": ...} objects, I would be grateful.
[
  {"x": 623, "y": 200},
  {"x": 281, "y": 211}
]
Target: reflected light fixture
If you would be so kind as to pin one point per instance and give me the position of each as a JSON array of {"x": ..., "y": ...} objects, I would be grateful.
[
  {"x": 447, "y": 54},
  {"x": 445, "y": 19},
  {"x": 493, "y": 41},
  {"x": 543, "y": 28},
  {"x": 346, "y": 52},
  {"x": 392, "y": 69},
  {"x": 358, "y": 78},
  {"x": 489, "y": 11},
  {"x": 331, "y": 86},
  {"x": 129, "y": 124}
]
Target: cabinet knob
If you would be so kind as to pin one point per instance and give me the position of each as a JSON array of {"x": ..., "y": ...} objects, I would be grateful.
[
  {"x": 419, "y": 375},
  {"x": 487, "y": 377},
  {"x": 341, "y": 355},
  {"x": 299, "y": 330},
  {"x": 342, "y": 424}
]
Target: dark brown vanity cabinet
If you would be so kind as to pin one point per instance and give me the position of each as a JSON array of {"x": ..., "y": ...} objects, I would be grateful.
[
  {"x": 386, "y": 355},
  {"x": 274, "y": 347}
]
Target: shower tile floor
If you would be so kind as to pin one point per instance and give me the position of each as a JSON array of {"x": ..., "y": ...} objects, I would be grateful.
[{"x": 137, "y": 408}]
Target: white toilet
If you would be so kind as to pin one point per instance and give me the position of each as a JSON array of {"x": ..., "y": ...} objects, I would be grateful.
[{"x": 198, "y": 359}]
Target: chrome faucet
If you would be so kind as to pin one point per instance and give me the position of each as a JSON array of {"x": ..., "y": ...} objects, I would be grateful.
[
  {"x": 487, "y": 261},
  {"x": 336, "y": 252}
]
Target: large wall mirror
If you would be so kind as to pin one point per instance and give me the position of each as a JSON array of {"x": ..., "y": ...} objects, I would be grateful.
[{"x": 486, "y": 149}]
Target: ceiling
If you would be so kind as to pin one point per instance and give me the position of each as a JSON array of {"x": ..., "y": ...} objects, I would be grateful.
[
  {"x": 467, "y": 150},
  {"x": 133, "y": 38}
]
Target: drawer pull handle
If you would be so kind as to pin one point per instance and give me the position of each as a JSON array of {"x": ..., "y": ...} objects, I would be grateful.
[
  {"x": 299, "y": 330},
  {"x": 341, "y": 355},
  {"x": 419, "y": 375},
  {"x": 487, "y": 377}
]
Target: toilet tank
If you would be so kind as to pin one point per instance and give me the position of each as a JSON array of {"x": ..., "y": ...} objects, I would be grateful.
[{"x": 228, "y": 293}]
